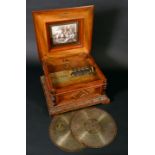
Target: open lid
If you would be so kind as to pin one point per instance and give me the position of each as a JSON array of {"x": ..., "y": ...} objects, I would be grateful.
[{"x": 63, "y": 31}]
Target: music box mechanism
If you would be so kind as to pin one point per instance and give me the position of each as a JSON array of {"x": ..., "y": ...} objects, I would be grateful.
[{"x": 71, "y": 80}]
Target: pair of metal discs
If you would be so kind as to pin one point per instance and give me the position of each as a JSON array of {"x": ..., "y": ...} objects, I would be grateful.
[{"x": 90, "y": 127}]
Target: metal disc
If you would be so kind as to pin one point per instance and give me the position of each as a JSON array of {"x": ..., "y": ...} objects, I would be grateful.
[
  {"x": 60, "y": 133},
  {"x": 93, "y": 127}
]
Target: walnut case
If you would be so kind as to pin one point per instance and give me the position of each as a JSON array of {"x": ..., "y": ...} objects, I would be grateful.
[{"x": 64, "y": 39}]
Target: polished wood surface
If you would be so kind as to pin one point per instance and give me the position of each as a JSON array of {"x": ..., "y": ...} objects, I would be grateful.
[
  {"x": 42, "y": 18},
  {"x": 74, "y": 104},
  {"x": 83, "y": 91}
]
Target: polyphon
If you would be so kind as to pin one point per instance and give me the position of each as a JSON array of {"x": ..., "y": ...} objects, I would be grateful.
[{"x": 71, "y": 80}]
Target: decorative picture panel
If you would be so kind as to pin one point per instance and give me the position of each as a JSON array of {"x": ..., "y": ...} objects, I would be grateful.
[{"x": 65, "y": 33}]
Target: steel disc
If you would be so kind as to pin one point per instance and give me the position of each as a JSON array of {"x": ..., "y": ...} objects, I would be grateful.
[
  {"x": 93, "y": 127},
  {"x": 60, "y": 133}
]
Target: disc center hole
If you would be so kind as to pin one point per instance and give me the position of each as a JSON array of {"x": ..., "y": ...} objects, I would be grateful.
[
  {"x": 60, "y": 126},
  {"x": 92, "y": 126}
]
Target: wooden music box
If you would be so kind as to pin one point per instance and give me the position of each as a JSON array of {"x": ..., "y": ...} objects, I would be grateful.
[{"x": 72, "y": 79}]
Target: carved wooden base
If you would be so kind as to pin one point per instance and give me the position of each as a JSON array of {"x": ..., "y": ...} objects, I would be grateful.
[{"x": 71, "y": 105}]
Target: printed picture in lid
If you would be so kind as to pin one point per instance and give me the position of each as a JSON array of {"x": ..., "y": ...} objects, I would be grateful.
[{"x": 64, "y": 33}]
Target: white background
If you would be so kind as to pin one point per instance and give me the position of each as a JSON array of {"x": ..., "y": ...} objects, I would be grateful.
[
  {"x": 141, "y": 77},
  {"x": 13, "y": 77}
]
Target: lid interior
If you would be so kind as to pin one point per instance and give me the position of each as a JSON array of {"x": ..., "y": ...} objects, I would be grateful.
[{"x": 63, "y": 31}]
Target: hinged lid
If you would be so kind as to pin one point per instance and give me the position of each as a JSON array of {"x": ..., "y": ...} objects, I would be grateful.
[{"x": 63, "y": 31}]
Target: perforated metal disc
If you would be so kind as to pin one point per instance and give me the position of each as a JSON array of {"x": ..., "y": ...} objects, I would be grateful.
[
  {"x": 93, "y": 127},
  {"x": 60, "y": 133}
]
